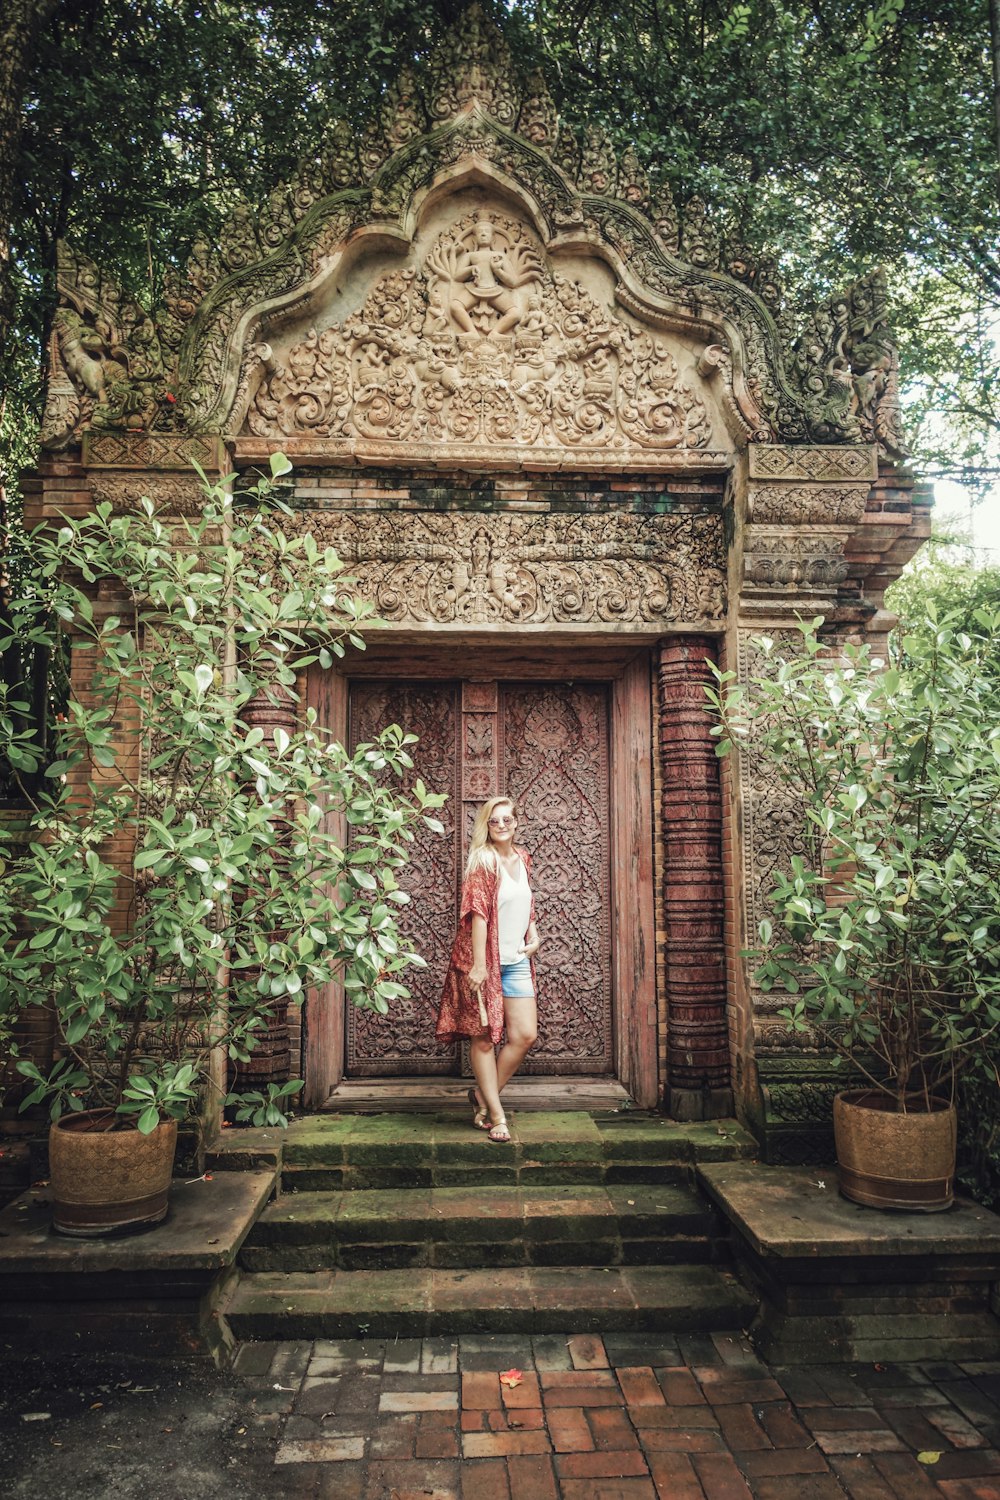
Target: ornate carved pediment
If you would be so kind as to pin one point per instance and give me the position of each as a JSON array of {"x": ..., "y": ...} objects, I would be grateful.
[
  {"x": 482, "y": 342},
  {"x": 467, "y": 117}
]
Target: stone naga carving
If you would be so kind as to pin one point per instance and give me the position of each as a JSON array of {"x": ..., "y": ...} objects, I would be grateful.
[
  {"x": 482, "y": 344},
  {"x": 106, "y": 360}
]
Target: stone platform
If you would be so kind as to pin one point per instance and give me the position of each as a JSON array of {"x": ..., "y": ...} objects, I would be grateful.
[
  {"x": 407, "y": 1226},
  {"x": 842, "y": 1282},
  {"x": 155, "y": 1293}
]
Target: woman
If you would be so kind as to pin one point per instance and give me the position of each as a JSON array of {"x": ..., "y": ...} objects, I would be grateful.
[{"x": 491, "y": 979}]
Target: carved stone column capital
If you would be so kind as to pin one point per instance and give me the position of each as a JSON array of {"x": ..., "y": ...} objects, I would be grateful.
[{"x": 802, "y": 506}]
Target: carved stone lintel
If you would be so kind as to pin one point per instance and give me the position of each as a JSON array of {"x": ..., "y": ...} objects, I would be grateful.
[
  {"x": 807, "y": 504},
  {"x": 453, "y": 568},
  {"x": 803, "y": 504},
  {"x": 793, "y": 558},
  {"x": 172, "y": 494}
]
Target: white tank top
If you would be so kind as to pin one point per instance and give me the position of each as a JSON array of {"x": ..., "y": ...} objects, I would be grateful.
[{"x": 514, "y": 913}]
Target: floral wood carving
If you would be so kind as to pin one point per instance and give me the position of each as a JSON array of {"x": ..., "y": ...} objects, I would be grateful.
[
  {"x": 555, "y": 762},
  {"x": 483, "y": 344},
  {"x": 456, "y": 567},
  {"x": 404, "y": 1041}
]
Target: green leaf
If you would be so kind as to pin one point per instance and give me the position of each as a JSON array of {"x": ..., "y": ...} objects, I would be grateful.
[{"x": 146, "y": 858}]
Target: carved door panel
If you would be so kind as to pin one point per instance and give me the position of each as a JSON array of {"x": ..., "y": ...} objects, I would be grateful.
[
  {"x": 403, "y": 1042},
  {"x": 555, "y": 762},
  {"x": 547, "y": 744}
]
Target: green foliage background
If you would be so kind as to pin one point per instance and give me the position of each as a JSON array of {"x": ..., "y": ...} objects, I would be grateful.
[
  {"x": 838, "y": 133},
  {"x": 940, "y": 582}
]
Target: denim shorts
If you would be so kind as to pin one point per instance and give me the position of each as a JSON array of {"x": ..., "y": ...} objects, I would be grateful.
[{"x": 515, "y": 980}]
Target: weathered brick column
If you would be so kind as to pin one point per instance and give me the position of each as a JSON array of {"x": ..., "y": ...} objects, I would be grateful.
[
  {"x": 698, "y": 1063},
  {"x": 820, "y": 531}
]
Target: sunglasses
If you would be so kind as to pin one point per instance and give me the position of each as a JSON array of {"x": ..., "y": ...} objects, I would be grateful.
[{"x": 500, "y": 822}]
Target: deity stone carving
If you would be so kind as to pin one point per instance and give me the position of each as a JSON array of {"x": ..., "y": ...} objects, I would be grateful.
[{"x": 484, "y": 271}]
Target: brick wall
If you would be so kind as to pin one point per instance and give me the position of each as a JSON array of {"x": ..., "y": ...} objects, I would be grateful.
[{"x": 391, "y": 489}]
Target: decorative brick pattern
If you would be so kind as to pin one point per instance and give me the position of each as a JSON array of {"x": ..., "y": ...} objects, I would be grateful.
[{"x": 714, "y": 1424}]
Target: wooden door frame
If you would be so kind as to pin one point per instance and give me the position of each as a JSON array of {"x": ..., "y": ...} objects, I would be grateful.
[{"x": 627, "y": 668}]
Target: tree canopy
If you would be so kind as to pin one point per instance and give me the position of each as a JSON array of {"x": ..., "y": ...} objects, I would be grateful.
[{"x": 833, "y": 135}]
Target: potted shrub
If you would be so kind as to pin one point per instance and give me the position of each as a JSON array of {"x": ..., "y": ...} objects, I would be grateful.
[
  {"x": 179, "y": 879},
  {"x": 887, "y": 923}
]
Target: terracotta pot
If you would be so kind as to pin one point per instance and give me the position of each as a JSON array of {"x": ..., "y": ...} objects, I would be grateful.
[
  {"x": 106, "y": 1180},
  {"x": 892, "y": 1160}
]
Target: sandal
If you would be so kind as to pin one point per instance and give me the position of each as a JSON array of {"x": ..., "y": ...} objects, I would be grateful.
[
  {"x": 480, "y": 1114},
  {"x": 499, "y": 1132}
]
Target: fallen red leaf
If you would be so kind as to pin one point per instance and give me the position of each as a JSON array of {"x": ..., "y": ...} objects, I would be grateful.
[{"x": 511, "y": 1378}]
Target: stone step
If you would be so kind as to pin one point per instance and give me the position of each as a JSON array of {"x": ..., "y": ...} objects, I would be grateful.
[
  {"x": 369, "y": 1152},
  {"x": 451, "y": 1227},
  {"x": 425, "y": 1302}
]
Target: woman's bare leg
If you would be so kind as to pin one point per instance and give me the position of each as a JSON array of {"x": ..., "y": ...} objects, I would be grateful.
[
  {"x": 521, "y": 1017},
  {"x": 484, "y": 1066}
]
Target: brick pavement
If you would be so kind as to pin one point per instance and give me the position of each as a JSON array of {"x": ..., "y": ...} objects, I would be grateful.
[{"x": 627, "y": 1417}]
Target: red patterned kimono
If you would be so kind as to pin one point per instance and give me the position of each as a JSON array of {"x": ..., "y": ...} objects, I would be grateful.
[{"x": 458, "y": 1012}]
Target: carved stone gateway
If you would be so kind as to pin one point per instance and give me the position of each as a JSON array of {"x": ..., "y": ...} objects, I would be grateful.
[{"x": 570, "y": 451}]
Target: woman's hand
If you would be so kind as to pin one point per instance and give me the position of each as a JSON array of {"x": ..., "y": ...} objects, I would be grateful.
[
  {"x": 531, "y": 946},
  {"x": 477, "y": 976}
]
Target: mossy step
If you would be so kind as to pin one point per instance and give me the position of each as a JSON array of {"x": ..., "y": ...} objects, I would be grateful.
[
  {"x": 367, "y": 1152},
  {"x": 474, "y": 1226},
  {"x": 533, "y": 1299}
]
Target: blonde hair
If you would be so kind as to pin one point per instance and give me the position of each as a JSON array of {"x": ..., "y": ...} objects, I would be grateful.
[{"x": 482, "y": 855}]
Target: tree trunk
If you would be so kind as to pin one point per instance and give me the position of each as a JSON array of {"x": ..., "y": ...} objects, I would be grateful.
[
  {"x": 20, "y": 27},
  {"x": 995, "y": 50}
]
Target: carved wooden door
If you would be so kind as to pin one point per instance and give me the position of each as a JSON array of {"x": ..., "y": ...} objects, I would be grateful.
[
  {"x": 404, "y": 1042},
  {"x": 547, "y": 744}
]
